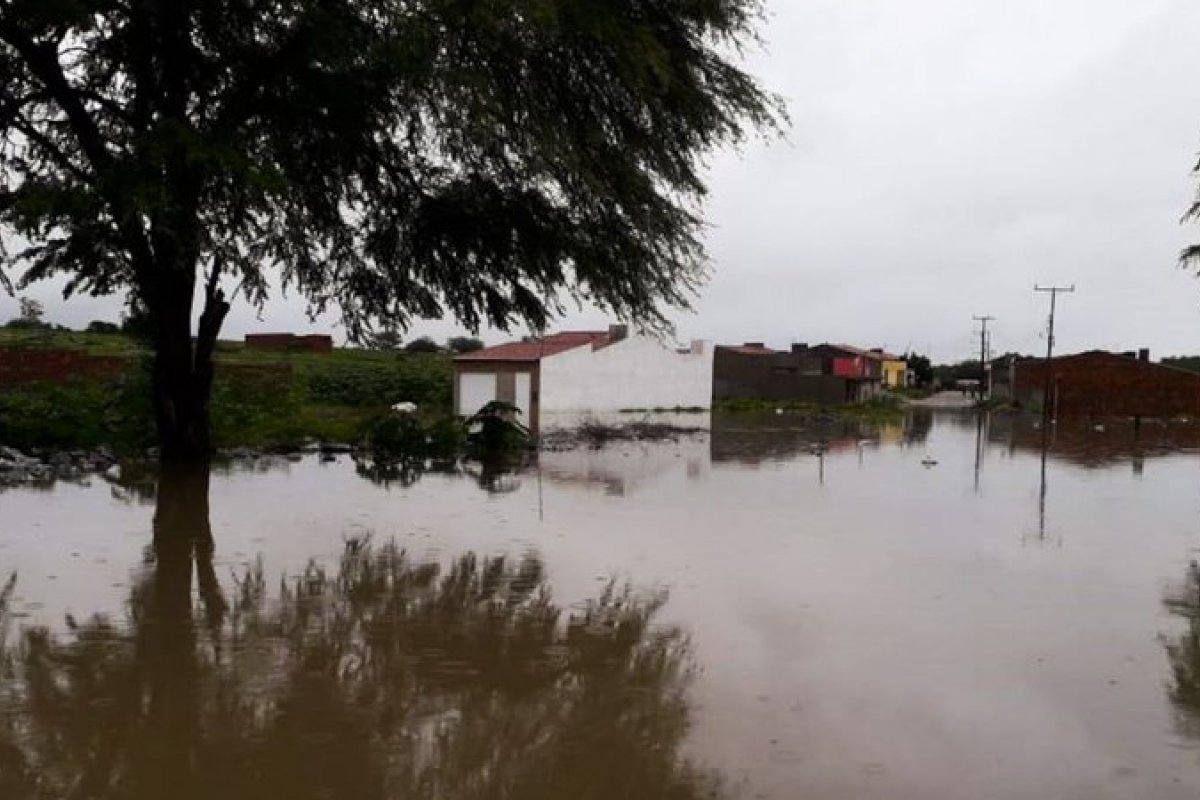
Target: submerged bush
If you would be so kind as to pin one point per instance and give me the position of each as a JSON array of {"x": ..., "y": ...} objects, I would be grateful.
[{"x": 494, "y": 429}]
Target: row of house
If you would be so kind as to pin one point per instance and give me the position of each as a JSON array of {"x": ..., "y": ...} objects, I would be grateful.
[
  {"x": 555, "y": 379},
  {"x": 826, "y": 373}
]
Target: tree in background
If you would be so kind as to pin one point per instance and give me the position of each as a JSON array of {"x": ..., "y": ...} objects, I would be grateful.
[
  {"x": 100, "y": 326},
  {"x": 1190, "y": 257},
  {"x": 29, "y": 316},
  {"x": 922, "y": 369},
  {"x": 423, "y": 345},
  {"x": 463, "y": 344},
  {"x": 395, "y": 160},
  {"x": 386, "y": 339}
]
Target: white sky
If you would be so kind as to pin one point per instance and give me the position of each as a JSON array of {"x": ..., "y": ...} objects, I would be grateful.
[{"x": 945, "y": 156}]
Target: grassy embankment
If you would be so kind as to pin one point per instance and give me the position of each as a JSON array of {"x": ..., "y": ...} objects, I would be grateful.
[{"x": 260, "y": 399}]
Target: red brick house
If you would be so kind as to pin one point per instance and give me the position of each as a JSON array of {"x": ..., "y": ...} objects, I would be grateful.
[{"x": 1102, "y": 384}]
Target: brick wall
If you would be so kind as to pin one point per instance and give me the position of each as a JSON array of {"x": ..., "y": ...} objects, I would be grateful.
[
  {"x": 20, "y": 365},
  {"x": 1106, "y": 385},
  {"x": 24, "y": 365}
]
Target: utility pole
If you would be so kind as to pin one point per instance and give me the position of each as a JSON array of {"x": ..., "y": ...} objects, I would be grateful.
[
  {"x": 1054, "y": 291},
  {"x": 985, "y": 385}
]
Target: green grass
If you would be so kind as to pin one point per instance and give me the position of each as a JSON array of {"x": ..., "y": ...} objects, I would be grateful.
[
  {"x": 106, "y": 344},
  {"x": 260, "y": 398}
]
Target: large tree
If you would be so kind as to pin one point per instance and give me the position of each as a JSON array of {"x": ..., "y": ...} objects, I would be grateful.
[{"x": 391, "y": 159}]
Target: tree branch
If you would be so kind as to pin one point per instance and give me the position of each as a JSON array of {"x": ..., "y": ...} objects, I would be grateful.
[
  {"x": 43, "y": 63},
  {"x": 52, "y": 150}
]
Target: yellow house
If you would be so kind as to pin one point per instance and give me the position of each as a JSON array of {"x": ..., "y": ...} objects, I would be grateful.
[{"x": 895, "y": 371}]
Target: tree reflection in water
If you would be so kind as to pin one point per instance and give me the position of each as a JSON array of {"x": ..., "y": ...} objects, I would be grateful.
[
  {"x": 1183, "y": 651},
  {"x": 381, "y": 678},
  {"x": 498, "y": 474}
]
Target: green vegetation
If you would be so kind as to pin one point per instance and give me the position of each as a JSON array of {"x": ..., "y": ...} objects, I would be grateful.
[
  {"x": 1190, "y": 363},
  {"x": 260, "y": 399},
  {"x": 395, "y": 161}
]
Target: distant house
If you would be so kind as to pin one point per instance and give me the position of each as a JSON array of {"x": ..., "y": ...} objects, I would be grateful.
[
  {"x": 1100, "y": 384},
  {"x": 895, "y": 370},
  {"x": 862, "y": 369},
  {"x": 573, "y": 373},
  {"x": 752, "y": 371},
  {"x": 308, "y": 343}
]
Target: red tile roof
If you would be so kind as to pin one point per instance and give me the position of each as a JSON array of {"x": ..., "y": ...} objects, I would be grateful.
[{"x": 536, "y": 349}]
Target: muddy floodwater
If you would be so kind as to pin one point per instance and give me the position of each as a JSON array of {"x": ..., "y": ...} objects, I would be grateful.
[{"x": 937, "y": 608}]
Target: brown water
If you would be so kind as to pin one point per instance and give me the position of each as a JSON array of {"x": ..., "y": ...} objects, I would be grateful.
[{"x": 775, "y": 611}]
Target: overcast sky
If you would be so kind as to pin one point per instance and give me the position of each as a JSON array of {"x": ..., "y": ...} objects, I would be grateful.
[{"x": 945, "y": 156}]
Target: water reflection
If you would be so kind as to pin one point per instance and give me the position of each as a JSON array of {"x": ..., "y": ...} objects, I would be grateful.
[
  {"x": 1095, "y": 444},
  {"x": 383, "y": 677},
  {"x": 1183, "y": 651},
  {"x": 755, "y": 438},
  {"x": 495, "y": 475}
]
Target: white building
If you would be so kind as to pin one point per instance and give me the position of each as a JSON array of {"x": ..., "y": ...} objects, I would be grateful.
[{"x": 576, "y": 374}]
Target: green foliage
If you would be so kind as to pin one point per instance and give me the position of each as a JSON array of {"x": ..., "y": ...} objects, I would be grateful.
[
  {"x": 921, "y": 368},
  {"x": 1190, "y": 363},
  {"x": 30, "y": 316},
  {"x": 423, "y": 345},
  {"x": 424, "y": 380},
  {"x": 389, "y": 339},
  {"x": 399, "y": 160},
  {"x": 259, "y": 398},
  {"x": 494, "y": 429},
  {"x": 463, "y": 344},
  {"x": 100, "y": 326},
  {"x": 399, "y": 435},
  {"x": 947, "y": 374},
  {"x": 78, "y": 414}
]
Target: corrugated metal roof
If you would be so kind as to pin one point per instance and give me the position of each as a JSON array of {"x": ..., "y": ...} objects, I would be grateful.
[
  {"x": 748, "y": 350},
  {"x": 536, "y": 349},
  {"x": 858, "y": 351}
]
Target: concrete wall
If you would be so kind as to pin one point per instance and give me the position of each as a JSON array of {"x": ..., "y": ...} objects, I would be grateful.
[
  {"x": 479, "y": 382},
  {"x": 635, "y": 372},
  {"x": 774, "y": 376}
]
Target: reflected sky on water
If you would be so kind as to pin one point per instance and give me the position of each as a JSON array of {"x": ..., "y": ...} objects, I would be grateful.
[{"x": 815, "y": 610}]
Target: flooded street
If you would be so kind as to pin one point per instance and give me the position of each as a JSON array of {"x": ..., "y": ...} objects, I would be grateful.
[{"x": 918, "y": 610}]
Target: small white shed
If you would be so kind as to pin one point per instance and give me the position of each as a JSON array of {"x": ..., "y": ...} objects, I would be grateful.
[{"x": 576, "y": 373}]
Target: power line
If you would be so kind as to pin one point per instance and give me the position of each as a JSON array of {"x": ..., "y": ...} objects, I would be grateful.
[{"x": 985, "y": 385}]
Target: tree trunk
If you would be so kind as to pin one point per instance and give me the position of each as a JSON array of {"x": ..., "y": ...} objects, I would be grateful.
[
  {"x": 183, "y": 368},
  {"x": 182, "y": 542}
]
